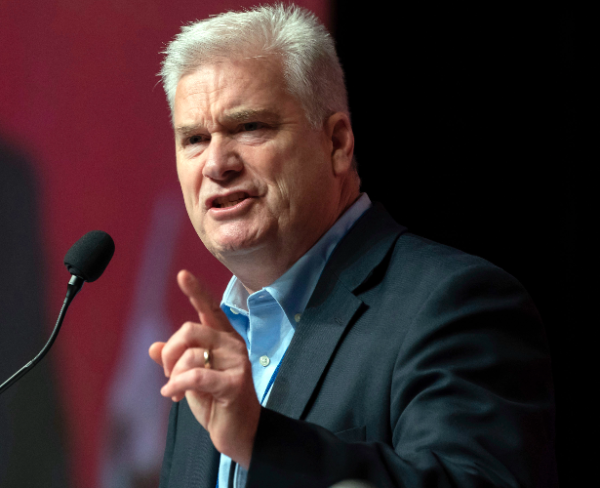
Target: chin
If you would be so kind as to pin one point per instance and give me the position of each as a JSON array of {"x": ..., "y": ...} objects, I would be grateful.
[
  {"x": 235, "y": 239},
  {"x": 234, "y": 246}
]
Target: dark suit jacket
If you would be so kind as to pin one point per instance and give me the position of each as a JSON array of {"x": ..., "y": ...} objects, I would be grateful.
[{"x": 414, "y": 365}]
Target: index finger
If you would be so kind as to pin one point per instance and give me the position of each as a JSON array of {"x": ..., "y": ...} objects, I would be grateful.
[{"x": 208, "y": 309}]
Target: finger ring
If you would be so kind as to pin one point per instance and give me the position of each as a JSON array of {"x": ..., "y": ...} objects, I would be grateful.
[{"x": 207, "y": 364}]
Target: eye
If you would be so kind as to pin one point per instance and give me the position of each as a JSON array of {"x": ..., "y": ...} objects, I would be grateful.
[
  {"x": 251, "y": 126},
  {"x": 195, "y": 139}
]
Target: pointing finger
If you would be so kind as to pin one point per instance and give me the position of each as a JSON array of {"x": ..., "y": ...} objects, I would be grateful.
[{"x": 208, "y": 309}]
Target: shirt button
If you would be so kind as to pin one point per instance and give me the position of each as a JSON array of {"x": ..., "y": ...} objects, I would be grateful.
[
  {"x": 233, "y": 310},
  {"x": 297, "y": 317},
  {"x": 264, "y": 361}
]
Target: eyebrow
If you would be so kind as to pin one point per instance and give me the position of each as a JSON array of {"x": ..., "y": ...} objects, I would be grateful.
[
  {"x": 238, "y": 116},
  {"x": 247, "y": 115}
]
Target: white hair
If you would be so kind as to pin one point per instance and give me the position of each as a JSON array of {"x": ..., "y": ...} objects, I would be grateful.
[{"x": 311, "y": 68}]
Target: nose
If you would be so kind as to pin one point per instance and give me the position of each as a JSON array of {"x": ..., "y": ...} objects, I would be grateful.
[{"x": 222, "y": 161}]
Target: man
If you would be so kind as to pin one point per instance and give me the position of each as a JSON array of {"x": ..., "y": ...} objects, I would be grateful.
[{"x": 344, "y": 346}]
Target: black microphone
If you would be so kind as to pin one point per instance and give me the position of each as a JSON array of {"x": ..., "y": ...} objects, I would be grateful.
[
  {"x": 90, "y": 255},
  {"x": 86, "y": 261}
]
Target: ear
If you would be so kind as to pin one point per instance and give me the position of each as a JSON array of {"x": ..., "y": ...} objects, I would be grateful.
[{"x": 341, "y": 138}]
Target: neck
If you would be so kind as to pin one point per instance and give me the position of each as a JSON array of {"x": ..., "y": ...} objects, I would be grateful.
[{"x": 259, "y": 269}]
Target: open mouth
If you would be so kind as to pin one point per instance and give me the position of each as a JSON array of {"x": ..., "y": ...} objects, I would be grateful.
[{"x": 230, "y": 200}]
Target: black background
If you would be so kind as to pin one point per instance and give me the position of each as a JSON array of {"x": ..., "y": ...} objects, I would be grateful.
[{"x": 471, "y": 128}]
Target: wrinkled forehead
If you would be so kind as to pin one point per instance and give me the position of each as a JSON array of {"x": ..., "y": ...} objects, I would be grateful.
[{"x": 224, "y": 87}]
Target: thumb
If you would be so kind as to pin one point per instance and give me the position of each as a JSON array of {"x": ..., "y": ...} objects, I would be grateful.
[{"x": 155, "y": 352}]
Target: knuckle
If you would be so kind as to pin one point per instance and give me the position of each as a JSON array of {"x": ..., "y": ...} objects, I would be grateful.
[
  {"x": 191, "y": 357},
  {"x": 198, "y": 356},
  {"x": 188, "y": 328},
  {"x": 187, "y": 357},
  {"x": 198, "y": 376}
]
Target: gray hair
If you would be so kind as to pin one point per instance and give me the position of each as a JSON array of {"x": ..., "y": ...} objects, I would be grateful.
[{"x": 311, "y": 68}]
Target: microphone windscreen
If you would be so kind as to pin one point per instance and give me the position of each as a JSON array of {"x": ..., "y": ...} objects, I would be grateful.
[{"x": 90, "y": 255}]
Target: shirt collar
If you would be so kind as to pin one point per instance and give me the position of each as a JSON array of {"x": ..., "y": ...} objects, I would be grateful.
[{"x": 293, "y": 289}]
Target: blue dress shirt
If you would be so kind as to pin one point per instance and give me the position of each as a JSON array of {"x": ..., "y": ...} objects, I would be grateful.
[{"x": 267, "y": 319}]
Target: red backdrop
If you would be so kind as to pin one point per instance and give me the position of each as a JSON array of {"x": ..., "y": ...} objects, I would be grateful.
[{"x": 80, "y": 97}]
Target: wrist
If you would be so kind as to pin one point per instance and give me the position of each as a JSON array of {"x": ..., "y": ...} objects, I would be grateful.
[{"x": 245, "y": 441}]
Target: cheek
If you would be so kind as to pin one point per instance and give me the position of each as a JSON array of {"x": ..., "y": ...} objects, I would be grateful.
[
  {"x": 305, "y": 174},
  {"x": 190, "y": 179},
  {"x": 264, "y": 167},
  {"x": 282, "y": 187},
  {"x": 190, "y": 200}
]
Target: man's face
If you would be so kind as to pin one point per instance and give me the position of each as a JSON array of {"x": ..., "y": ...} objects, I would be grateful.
[{"x": 254, "y": 175}]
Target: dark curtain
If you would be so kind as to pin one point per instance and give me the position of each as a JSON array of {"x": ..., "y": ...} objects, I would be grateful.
[{"x": 471, "y": 128}]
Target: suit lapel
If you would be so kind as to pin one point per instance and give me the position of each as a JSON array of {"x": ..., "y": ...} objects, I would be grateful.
[
  {"x": 313, "y": 343},
  {"x": 331, "y": 309}
]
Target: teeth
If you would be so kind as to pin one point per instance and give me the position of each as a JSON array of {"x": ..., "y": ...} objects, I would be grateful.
[
  {"x": 231, "y": 204},
  {"x": 230, "y": 200}
]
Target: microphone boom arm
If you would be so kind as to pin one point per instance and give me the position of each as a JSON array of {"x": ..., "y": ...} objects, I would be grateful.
[{"x": 75, "y": 284}]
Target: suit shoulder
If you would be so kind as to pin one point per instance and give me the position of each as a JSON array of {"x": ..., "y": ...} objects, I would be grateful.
[
  {"x": 412, "y": 250},
  {"x": 424, "y": 265},
  {"x": 422, "y": 278}
]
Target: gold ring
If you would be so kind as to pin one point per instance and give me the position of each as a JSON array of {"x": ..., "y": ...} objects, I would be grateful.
[{"x": 207, "y": 364}]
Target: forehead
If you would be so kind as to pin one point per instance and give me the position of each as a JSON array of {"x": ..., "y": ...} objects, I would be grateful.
[{"x": 230, "y": 86}]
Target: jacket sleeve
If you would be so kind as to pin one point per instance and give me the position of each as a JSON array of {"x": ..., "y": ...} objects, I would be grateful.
[{"x": 471, "y": 401}]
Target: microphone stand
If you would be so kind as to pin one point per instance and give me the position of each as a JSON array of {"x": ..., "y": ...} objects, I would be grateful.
[{"x": 75, "y": 284}]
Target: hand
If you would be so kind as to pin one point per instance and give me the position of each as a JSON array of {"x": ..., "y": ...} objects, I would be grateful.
[{"x": 223, "y": 398}]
